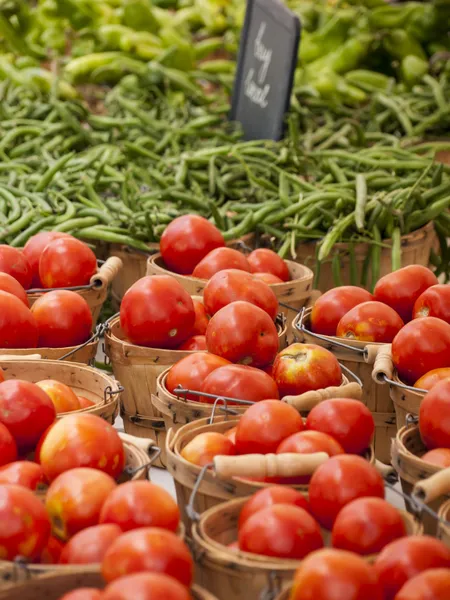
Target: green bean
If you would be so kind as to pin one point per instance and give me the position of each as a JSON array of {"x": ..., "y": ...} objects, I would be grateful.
[
  {"x": 38, "y": 226},
  {"x": 47, "y": 177},
  {"x": 361, "y": 201},
  {"x": 13, "y": 202},
  {"x": 101, "y": 234},
  {"x": 20, "y": 223},
  {"x": 77, "y": 223},
  {"x": 336, "y": 270},
  {"x": 396, "y": 249},
  {"x": 283, "y": 190},
  {"x": 245, "y": 226}
]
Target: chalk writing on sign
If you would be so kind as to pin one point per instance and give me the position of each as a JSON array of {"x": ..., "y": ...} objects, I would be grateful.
[{"x": 255, "y": 87}]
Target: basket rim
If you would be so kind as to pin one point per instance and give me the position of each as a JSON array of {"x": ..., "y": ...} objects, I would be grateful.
[{"x": 402, "y": 449}]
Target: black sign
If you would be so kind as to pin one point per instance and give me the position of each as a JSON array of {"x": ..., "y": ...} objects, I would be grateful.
[{"x": 265, "y": 70}]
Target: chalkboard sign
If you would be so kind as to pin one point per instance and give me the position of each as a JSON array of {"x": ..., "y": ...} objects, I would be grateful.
[{"x": 265, "y": 71}]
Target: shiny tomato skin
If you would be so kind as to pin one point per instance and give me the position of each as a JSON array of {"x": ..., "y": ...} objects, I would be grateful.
[
  {"x": 439, "y": 457},
  {"x": 201, "y": 318},
  {"x": 370, "y": 322},
  {"x": 243, "y": 333},
  {"x": 24, "y": 473},
  {"x": 433, "y": 584},
  {"x": 89, "y": 546},
  {"x": 51, "y": 554},
  {"x": 205, "y": 446},
  {"x": 191, "y": 371},
  {"x": 194, "y": 344},
  {"x": 63, "y": 398},
  {"x": 148, "y": 549},
  {"x": 83, "y": 594},
  {"x": 267, "y": 278},
  {"x": 276, "y": 494},
  {"x": 405, "y": 558},
  {"x": 158, "y": 312},
  {"x": 240, "y": 382},
  {"x": 18, "y": 327},
  {"x": 348, "y": 421},
  {"x": 219, "y": 260},
  {"x": 433, "y": 302},
  {"x": 25, "y": 525},
  {"x": 66, "y": 262},
  {"x": 337, "y": 482},
  {"x": 63, "y": 319},
  {"x": 421, "y": 346},
  {"x": 434, "y": 416},
  {"x": 12, "y": 286},
  {"x": 85, "y": 402},
  {"x": 263, "y": 260},
  {"x": 329, "y": 309},
  {"x": 400, "y": 289},
  {"x": 2, "y": 375},
  {"x": 430, "y": 379},
  {"x": 186, "y": 241},
  {"x": 146, "y": 586},
  {"x": 26, "y": 411},
  {"x": 8, "y": 447},
  {"x": 33, "y": 250},
  {"x": 13, "y": 262}
]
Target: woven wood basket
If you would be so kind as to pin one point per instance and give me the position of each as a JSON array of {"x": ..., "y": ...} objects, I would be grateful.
[
  {"x": 84, "y": 353},
  {"x": 444, "y": 529}
]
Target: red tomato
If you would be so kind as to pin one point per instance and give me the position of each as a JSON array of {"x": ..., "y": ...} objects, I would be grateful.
[
  {"x": 300, "y": 368},
  {"x": 407, "y": 557},
  {"x": 158, "y": 312},
  {"x": 12, "y": 286},
  {"x": 186, "y": 241},
  {"x": 205, "y": 446},
  {"x": 195, "y": 343},
  {"x": 263, "y": 260},
  {"x": 148, "y": 549},
  {"x": 430, "y": 379},
  {"x": 241, "y": 382},
  {"x": 23, "y": 472},
  {"x": 88, "y": 547},
  {"x": 420, "y": 347},
  {"x": 18, "y": 328},
  {"x": 430, "y": 585},
  {"x": 140, "y": 504},
  {"x": 219, "y": 260},
  {"x": 434, "y": 302},
  {"x": 8, "y": 447},
  {"x": 85, "y": 402},
  {"x": 63, "y": 398},
  {"x": 2, "y": 375},
  {"x": 191, "y": 371},
  {"x": 51, "y": 554},
  {"x": 201, "y": 318},
  {"x": 340, "y": 480},
  {"x": 400, "y": 289},
  {"x": 370, "y": 322},
  {"x": 263, "y": 427},
  {"x": 439, "y": 457},
  {"x": 34, "y": 248},
  {"x": 81, "y": 440},
  {"x": 146, "y": 586},
  {"x": 276, "y": 494},
  {"x": 243, "y": 333},
  {"x": 84, "y": 594},
  {"x": 26, "y": 410},
  {"x": 13, "y": 262},
  {"x": 25, "y": 526},
  {"x": 232, "y": 285},
  {"x": 282, "y": 531},
  {"x": 333, "y": 305},
  {"x": 66, "y": 262},
  {"x": 63, "y": 319},
  {"x": 335, "y": 574},
  {"x": 267, "y": 278},
  {"x": 434, "y": 416},
  {"x": 347, "y": 421}
]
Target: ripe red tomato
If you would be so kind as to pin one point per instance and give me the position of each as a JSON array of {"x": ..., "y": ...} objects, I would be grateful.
[
  {"x": 421, "y": 346},
  {"x": 194, "y": 344},
  {"x": 84, "y": 594},
  {"x": 148, "y": 549},
  {"x": 66, "y": 262},
  {"x": 329, "y": 572},
  {"x": 8, "y": 447},
  {"x": 88, "y": 547},
  {"x": 219, "y": 260},
  {"x": 340, "y": 480},
  {"x": 81, "y": 440},
  {"x": 63, "y": 398},
  {"x": 25, "y": 526},
  {"x": 370, "y": 322},
  {"x": 400, "y": 289},
  {"x": 430, "y": 379},
  {"x": 140, "y": 504},
  {"x": 205, "y": 446},
  {"x": 429, "y": 585},
  {"x": 13, "y": 262},
  {"x": 433, "y": 302},
  {"x": 18, "y": 328},
  {"x": 263, "y": 427},
  {"x": 186, "y": 241},
  {"x": 282, "y": 531},
  {"x": 85, "y": 402},
  {"x": 34, "y": 248},
  {"x": 439, "y": 457},
  {"x": 434, "y": 416},
  {"x": 300, "y": 368},
  {"x": 63, "y": 319},
  {"x": 158, "y": 312},
  {"x": 201, "y": 318},
  {"x": 333, "y": 305},
  {"x": 347, "y": 421},
  {"x": 243, "y": 333},
  {"x": 2, "y": 375},
  {"x": 51, "y": 554},
  {"x": 191, "y": 371},
  {"x": 267, "y": 278},
  {"x": 23, "y": 472},
  {"x": 241, "y": 382},
  {"x": 146, "y": 586},
  {"x": 407, "y": 557},
  {"x": 26, "y": 411},
  {"x": 263, "y": 260},
  {"x": 12, "y": 286},
  {"x": 232, "y": 285},
  {"x": 276, "y": 494}
]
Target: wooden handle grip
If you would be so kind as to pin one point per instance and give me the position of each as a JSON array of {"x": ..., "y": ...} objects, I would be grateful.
[
  {"x": 307, "y": 401},
  {"x": 268, "y": 465},
  {"x": 145, "y": 444},
  {"x": 386, "y": 471},
  {"x": 107, "y": 272},
  {"x": 383, "y": 365},
  {"x": 20, "y": 357},
  {"x": 437, "y": 485}
]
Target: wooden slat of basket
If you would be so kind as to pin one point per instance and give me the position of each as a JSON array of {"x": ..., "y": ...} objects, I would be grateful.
[{"x": 84, "y": 355}]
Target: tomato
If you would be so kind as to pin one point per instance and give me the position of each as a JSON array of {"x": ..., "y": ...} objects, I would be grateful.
[
  {"x": 434, "y": 416},
  {"x": 429, "y": 585},
  {"x": 191, "y": 371},
  {"x": 241, "y": 382},
  {"x": 25, "y": 526},
  {"x": 347, "y": 421},
  {"x": 434, "y": 302},
  {"x": 66, "y": 262},
  {"x": 84, "y": 594},
  {"x": 232, "y": 285},
  {"x": 89, "y": 546},
  {"x": 140, "y": 504},
  {"x": 335, "y": 575},
  {"x": 340, "y": 480},
  {"x": 205, "y": 446},
  {"x": 146, "y": 586},
  {"x": 194, "y": 343},
  {"x": 300, "y": 368},
  {"x": 430, "y": 379},
  {"x": 26, "y": 410},
  {"x": 282, "y": 531},
  {"x": 8, "y": 447},
  {"x": 2, "y": 375},
  {"x": 231, "y": 434},
  {"x": 51, "y": 554},
  {"x": 263, "y": 260},
  {"x": 219, "y": 260},
  {"x": 370, "y": 322},
  {"x": 407, "y": 557},
  {"x": 23, "y": 472},
  {"x": 234, "y": 546},
  {"x": 439, "y": 457},
  {"x": 201, "y": 318},
  {"x": 18, "y": 328},
  {"x": 85, "y": 402},
  {"x": 243, "y": 333},
  {"x": 186, "y": 241},
  {"x": 81, "y": 440},
  {"x": 421, "y": 346},
  {"x": 14, "y": 263},
  {"x": 267, "y": 278},
  {"x": 333, "y": 305},
  {"x": 63, "y": 319},
  {"x": 400, "y": 289},
  {"x": 63, "y": 398},
  {"x": 148, "y": 549},
  {"x": 12, "y": 286},
  {"x": 34, "y": 248},
  {"x": 158, "y": 312},
  {"x": 276, "y": 494},
  {"x": 265, "y": 425}
]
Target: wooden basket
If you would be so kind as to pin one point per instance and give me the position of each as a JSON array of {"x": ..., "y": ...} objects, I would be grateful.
[
  {"x": 85, "y": 353},
  {"x": 134, "y": 268},
  {"x": 444, "y": 529}
]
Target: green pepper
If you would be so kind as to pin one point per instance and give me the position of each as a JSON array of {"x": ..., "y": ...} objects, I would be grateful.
[
  {"x": 400, "y": 44},
  {"x": 345, "y": 58},
  {"x": 327, "y": 38},
  {"x": 183, "y": 58},
  {"x": 412, "y": 69},
  {"x": 369, "y": 81},
  {"x": 138, "y": 15},
  {"x": 393, "y": 16}
]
